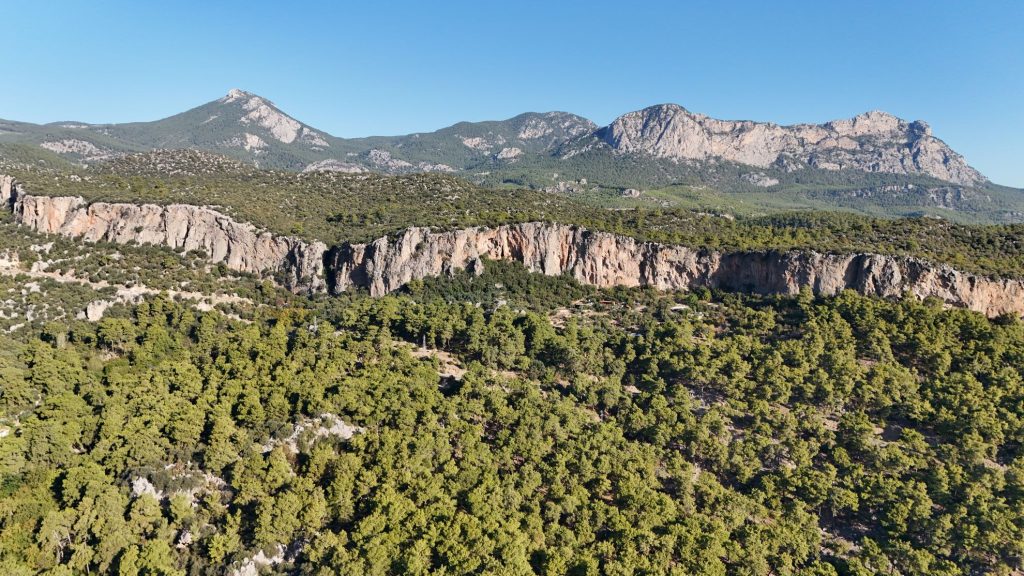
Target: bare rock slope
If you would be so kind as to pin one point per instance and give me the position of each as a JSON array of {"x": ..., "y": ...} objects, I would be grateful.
[
  {"x": 594, "y": 258},
  {"x": 604, "y": 259},
  {"x": 871, "y": 142},
  {"x": 240, "y": 246}
]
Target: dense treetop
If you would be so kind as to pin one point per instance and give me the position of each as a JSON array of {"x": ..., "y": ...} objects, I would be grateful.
[{"x": 581, "y": 432}]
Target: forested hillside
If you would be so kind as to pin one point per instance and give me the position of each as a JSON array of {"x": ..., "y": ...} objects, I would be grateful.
[
  {"x": 517, "y": 424},
  {"x": 419, "y": 317}
]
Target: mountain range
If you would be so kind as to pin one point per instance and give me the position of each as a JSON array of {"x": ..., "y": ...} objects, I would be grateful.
[{"x": 873, "y": 162}]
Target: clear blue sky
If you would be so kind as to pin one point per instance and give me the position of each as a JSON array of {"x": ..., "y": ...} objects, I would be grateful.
[{"x": 362, "y": 68}]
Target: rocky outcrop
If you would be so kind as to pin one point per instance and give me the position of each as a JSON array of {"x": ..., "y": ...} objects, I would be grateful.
[
  {"x": 595, "y": 258},
  {"x": 549, "y": 129},
  {"x": 872, "y": 142},
  {"x": 334, "y": 166},
  {"x": 605, "y": 260},
  {"x": 278, "y": 125},
  {"x": 240, "y": 246},
  {"x": 9, "y": 191},
  {"x": 85, "y": 150}
]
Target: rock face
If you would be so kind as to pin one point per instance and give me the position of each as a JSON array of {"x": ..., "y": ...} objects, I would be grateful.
[
  {"x": 605, "y": 260},
  {"x": 872, "y": 142},
  {"x": 239, "y": 246},
  {"x": 334, "y": 166},
  {"x": 7, "y": 193},
  {"x": 280, "y": 126},
  {"x": 594, "y": 258},
  {"x": 551, "y": 128},
  {"x": 85, "y": 150}
]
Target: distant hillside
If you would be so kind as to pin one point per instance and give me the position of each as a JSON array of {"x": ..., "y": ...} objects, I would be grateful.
[
  {"x": 664, "y": 155},
  {"x": 870, "y": 142}
]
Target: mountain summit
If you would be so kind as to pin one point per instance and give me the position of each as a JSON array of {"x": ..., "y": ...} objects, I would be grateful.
[
  {"x": 240, "y": 124},
  {"x": 870, "y": 142},
  {"x": 871, "y": 154},
  {"x": 261, "y": 114}
]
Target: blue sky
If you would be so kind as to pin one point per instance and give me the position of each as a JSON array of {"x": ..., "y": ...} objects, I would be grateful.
[{"x": 362, "y": 68}]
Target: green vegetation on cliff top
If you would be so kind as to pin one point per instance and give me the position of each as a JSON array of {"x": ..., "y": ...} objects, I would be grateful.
[{"x": 336, "y": 208}]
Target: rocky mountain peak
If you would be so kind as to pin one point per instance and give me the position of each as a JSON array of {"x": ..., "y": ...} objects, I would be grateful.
[
  {"x": 920, "y": 128},
  {"x": 880, "y": 116},
  {"x": 872, "y": 123},
  {"x": 659, "y": 113},
  {"x": 874, "y": 141},
  {"x": 879, "y": 123},
  {"x": 258, "y": 112},
  {"x": 251, "y": 128},
  {"x": 236, "y": 94},
  {"x": 552, "y": 126}
]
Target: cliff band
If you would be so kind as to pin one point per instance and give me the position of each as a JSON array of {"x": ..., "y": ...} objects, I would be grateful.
[{"x": 595, "y": 258}]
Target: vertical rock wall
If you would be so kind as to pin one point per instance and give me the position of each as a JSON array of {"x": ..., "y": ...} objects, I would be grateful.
[{"x": 595, "y": 258}]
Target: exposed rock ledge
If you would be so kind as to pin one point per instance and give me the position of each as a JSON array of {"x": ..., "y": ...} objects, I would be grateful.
[
  {"x": 240, "y": 246},
  {"x": 603, "y": 259},
  {"x": 595, "y": 258}
]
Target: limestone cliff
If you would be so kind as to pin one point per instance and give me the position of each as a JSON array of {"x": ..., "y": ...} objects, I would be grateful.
[
  {"x": 603, "y": 259},
  {"x": 239, "y": 246},
  {"x": 595, "y": 258},
  {"x": 872, "y": 142},
  {"x": 9, "y": 191}
]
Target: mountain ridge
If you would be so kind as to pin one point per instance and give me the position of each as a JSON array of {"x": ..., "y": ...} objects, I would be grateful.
[
  {"x": 873, "y": 141},
  {"x": 252, "y": 123},
  {"x": 663, "y": 155}
]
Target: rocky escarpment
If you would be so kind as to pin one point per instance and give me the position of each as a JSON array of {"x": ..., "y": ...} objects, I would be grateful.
[
  {"x": 872, "y": 142},
  {"x": 9, "y": 190},
  {"x": 595, "y": 258},
  {"x": 605, "y": 260},
  {"x": 240, "y": 246}
]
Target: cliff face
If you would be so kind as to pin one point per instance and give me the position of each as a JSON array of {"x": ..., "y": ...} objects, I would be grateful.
[
  {"x": 9, "y": 191},
  {"x": 594, "y": 258},
  {"x": 605, "y": 260},
  {"x": 872, "y": 142},
  {"x": 239, "y": 246}
]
